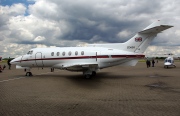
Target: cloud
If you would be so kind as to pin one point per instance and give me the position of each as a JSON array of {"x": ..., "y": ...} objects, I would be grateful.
[
  {"x": 14, "y": 10},
  {"x": 70, "y": 23},
  {"x": 39, "y": 38},
  {"x": 124, "y": 34},
  {"x": 160, "y": 51}
]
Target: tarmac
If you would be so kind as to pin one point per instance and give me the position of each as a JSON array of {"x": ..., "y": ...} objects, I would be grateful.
[{"x": 114, "y": 91}]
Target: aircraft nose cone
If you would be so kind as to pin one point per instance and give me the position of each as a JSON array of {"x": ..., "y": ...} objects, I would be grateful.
[
  {"x": 12, "y": 62},
  {"x": 15, "y": 61}
]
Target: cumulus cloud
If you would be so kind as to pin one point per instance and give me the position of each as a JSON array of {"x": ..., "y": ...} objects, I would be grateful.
[
  {"x": 39, "y": 38},
  {"x": 71, "y": 23},
  {"x": 124, "y": 34},
  {"x": 161, "y": 51},
  {"x": 14, "y": 10}
]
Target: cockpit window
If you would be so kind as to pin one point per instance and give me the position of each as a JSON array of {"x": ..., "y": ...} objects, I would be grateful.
[
  {"x": 30, "y": 52},
  {"x": 169, "y": 60}
]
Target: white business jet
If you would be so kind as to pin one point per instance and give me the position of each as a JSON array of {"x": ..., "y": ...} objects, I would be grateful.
[
  {"x": 93, "y": 57},
  {"x": 169, "y": 61}
]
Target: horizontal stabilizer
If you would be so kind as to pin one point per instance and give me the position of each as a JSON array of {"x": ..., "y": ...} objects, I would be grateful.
[{"x": 156, "y": 29}]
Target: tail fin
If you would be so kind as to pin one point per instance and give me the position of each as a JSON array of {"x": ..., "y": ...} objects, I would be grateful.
[
  {"x": 140, "y": 41},
  {"x": 143, "y": 38}
]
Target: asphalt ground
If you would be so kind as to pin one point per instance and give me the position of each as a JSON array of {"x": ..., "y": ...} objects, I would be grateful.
[{"x": 115, "y": 91}]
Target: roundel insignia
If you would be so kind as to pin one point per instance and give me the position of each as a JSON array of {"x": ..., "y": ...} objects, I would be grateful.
[{"x": 138, "y": 39}]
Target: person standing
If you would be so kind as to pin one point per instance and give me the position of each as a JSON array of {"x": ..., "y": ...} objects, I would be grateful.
[
  {"x": 52, "y": 69},
  {"x": 9, "y": 64},
  {"x": 153, "y": 62},
  {"x": 148, "y": 63}
]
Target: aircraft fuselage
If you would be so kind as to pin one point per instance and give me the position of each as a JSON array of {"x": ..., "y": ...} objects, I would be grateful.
[{"x": 66, "y": 56}]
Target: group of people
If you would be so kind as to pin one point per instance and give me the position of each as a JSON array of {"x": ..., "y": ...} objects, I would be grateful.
[
  {"x": 9, "y": 64},
  {"x": 148, "y": 63}
]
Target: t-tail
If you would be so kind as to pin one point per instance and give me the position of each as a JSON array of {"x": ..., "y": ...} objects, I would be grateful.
[{"x": 140, "y": 41}]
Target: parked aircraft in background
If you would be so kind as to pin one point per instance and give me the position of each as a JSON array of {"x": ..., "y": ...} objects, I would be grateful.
[
  {"x": 169, "y": 61},
  {"x": 93, "y": 57}
]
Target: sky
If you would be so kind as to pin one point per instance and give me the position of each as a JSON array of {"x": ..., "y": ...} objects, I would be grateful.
[{"x": 26, "y": 24}]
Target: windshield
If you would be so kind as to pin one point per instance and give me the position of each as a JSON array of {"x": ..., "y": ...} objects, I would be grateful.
[
  {"x": 168, "y": 60},
  {"x": 30, "y": 52}
]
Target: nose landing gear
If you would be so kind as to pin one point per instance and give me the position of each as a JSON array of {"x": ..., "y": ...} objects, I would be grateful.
[{"x": 28, "y": 73}]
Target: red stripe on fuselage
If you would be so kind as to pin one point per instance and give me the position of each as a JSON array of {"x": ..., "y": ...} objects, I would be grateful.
[
  {"x": 88, "y": 57},
  {"x": 127, "y": 56}
]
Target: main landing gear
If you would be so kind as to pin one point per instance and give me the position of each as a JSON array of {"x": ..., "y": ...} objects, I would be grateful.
[{"x": 88, "y": 74}]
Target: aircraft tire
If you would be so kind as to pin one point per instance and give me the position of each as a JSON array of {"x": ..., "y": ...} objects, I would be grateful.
[{"x": 29, "y": 74}]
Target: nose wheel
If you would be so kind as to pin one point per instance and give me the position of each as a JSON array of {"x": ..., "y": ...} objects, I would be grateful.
[{"x": 29, "y": 74}]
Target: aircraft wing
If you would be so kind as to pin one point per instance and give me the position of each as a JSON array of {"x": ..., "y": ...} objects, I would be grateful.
[{"x": 77, "y": 66}]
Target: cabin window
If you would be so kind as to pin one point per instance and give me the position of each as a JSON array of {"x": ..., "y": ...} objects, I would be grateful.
[
  {"x": 52, "y": 53},
  {"x": 63, "y": 53},
  {"x": 57, "y": 54},
  {"x": 82, "y": 53},
  {"x": 69, "y": 53},
  {"x": 76, "y": 53}
]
